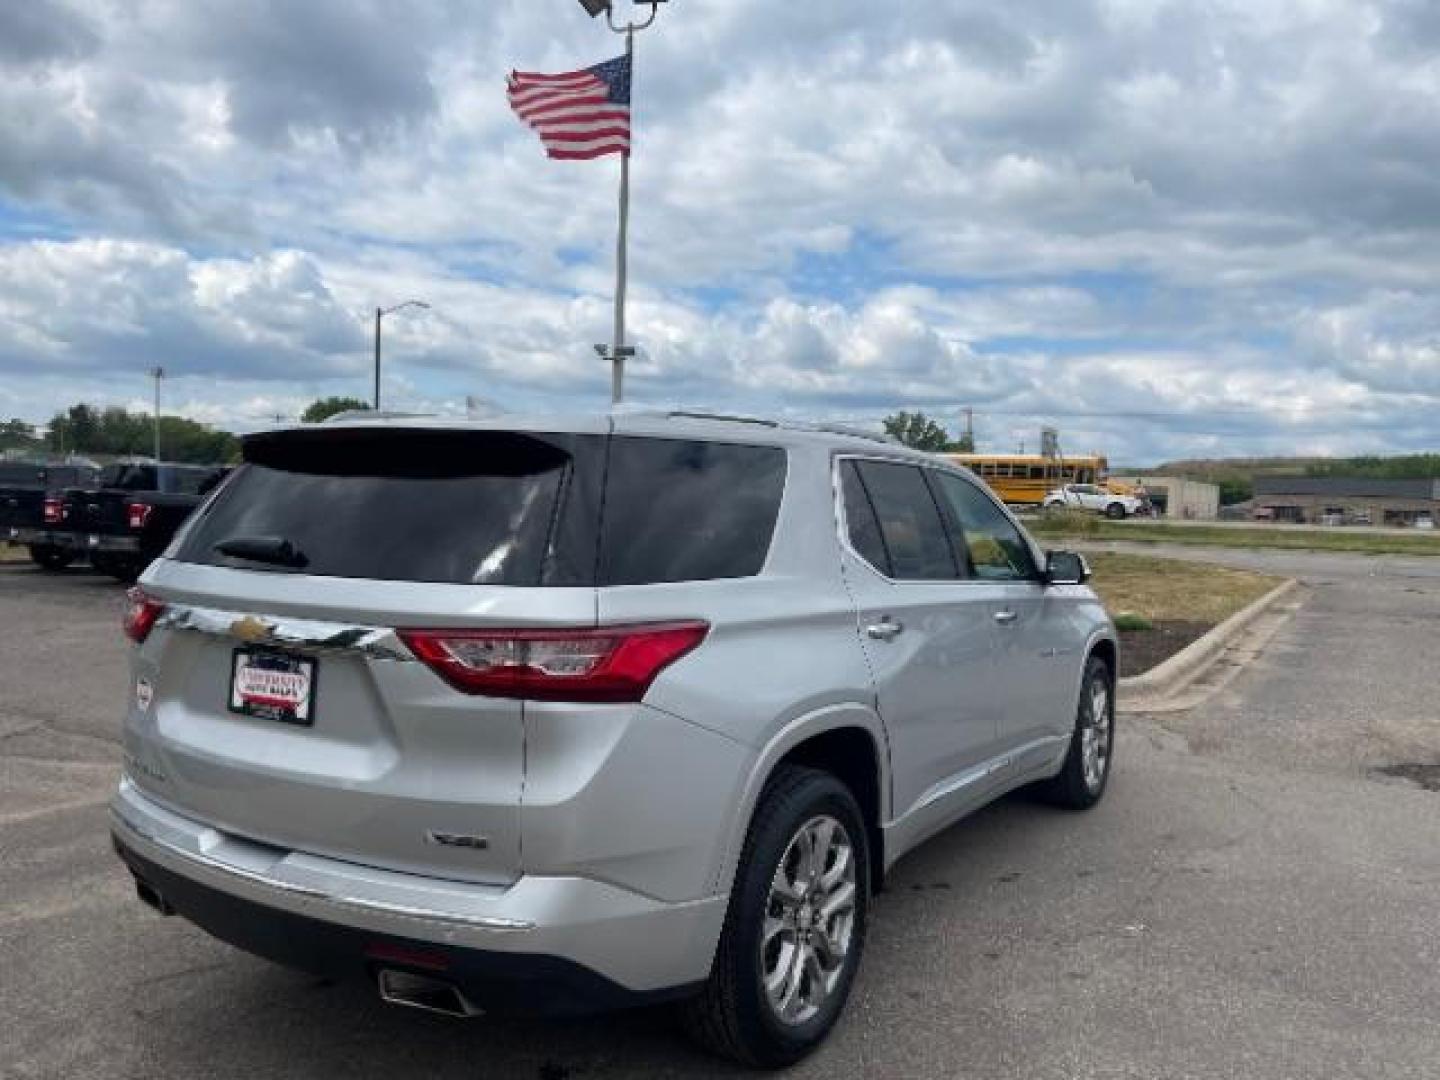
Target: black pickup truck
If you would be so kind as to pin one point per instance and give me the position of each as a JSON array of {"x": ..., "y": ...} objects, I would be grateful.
[
  {"x": 30, "y": 507},
  {"x": 130, "y": 515}
]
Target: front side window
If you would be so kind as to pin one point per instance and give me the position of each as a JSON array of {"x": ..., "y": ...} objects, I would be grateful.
[
  {"x": 998, "y": 552},
  {"x": 903, "y": 536}
]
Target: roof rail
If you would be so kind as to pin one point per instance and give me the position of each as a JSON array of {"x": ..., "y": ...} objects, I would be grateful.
[
  {"x": 371, "y": 414},
  {"x": 791, "y": 425},
  {"x": 853, "y": 432},
  {"x": 734, "y": 418}
]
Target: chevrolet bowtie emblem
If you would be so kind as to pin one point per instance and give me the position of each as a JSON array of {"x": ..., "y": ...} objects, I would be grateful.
[{"x": 251, "y": 629}]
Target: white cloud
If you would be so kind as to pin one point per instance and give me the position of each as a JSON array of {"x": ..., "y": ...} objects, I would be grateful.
[{"x": 1216, "y": 217}]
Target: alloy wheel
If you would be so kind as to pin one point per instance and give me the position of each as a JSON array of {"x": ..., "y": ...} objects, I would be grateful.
[
  {"x": 809, "y": 920},
  {"x": 1095, "y": 735}
]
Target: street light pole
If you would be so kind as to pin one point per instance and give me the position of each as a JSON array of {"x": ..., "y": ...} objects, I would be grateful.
[
  {"x": 380, "y": 314},
  {"x": 158, "y": 373}
]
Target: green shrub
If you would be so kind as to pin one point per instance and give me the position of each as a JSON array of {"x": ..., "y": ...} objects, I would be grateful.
[{"x": 1128, "y": 620}]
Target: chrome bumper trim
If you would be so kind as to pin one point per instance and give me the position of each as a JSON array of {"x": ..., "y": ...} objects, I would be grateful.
[
  {"x": 376, "y": 642},
  {"x": 137, "y": 830}
]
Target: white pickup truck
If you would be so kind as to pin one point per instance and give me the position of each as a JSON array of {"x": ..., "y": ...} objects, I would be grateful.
[{"x": 1092, "y": 497}]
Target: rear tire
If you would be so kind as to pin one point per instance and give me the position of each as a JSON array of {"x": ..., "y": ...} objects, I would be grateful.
[
  {"x": 50, "y": 558},
  {"x": 1082, "y": 780},
  {"x": 126, "y": 571},
  {"x": 122, "y": 569},
  {"x": 1115, "y": 511},
  {"x": 795, "y": 927}
]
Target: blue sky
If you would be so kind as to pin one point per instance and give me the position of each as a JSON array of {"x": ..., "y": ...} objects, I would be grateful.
[{"x": 1170, "y": 228}]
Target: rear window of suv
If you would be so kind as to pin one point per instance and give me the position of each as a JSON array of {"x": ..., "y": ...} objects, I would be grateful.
[
  {"x": 456, "y": 507},
  {"x": 498, "y": 508}
]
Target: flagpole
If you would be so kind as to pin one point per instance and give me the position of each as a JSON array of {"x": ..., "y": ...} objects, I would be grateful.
[{"x": 617, "y": 351}]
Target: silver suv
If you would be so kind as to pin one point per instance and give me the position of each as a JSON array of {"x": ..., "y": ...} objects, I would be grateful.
[{"x": 557, "y": 716}]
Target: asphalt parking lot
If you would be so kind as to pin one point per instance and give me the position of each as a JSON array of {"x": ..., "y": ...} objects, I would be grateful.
[{"x": 1257, "y": 896}]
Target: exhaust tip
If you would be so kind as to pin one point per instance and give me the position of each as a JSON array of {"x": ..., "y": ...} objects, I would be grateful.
[
  {"x": 424, "y": 992},
  {"x": 151, "y": 896}
]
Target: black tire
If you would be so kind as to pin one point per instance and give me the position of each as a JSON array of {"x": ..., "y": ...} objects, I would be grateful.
[
  {"x": 126, "y": 571},
  {"x": 1115, "y": 511},
  {"x": 1071, "y": 789},
  {"x": 123, "y": 569},
  {"x": 50, "y": 558},
  {"x": 732, "y": 1016}
]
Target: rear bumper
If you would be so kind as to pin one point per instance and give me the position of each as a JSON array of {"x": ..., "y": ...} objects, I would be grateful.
[
  {"x": 81, "y": 541},
  {"x": 28, "y": 537},
  {"x": 538, "y": 945}
]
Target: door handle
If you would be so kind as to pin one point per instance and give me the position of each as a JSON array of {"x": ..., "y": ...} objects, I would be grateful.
[
  {"x": 884, "y": 630},
  {"x": 1005, "y": 618}
]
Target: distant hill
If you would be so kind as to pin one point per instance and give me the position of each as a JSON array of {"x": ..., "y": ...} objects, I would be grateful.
[{"x": 1236, "y": 476}]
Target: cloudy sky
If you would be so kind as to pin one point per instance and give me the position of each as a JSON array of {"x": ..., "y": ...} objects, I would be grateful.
[{"x": 1172, "y": 229}]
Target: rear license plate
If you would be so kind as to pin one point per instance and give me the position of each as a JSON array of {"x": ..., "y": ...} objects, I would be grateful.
[{"x": 273, "y": 686}]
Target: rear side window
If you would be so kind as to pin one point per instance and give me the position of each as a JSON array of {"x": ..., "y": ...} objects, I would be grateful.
[
  {"x": 187, "y": 481},
  {"x": 916, "y": 545},
  {"x": 861, "y": 525},
  {"x": 130, "y": 477},
  {"x": 683, "y": 510},
  {"x": 450, "y": 506}
]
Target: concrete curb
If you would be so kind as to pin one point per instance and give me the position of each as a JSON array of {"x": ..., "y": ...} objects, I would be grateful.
[{"x": 1169, "y": 677}]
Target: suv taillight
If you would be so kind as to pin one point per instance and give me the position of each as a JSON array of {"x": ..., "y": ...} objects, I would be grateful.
[
  {"x": 54, "y": 511},
  {"x": 610, "y": 663},
  {"x": 138, "y": 514},
  {"x": 141, "y": 611}
]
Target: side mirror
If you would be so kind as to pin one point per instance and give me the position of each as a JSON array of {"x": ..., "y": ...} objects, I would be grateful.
[{"x": 1066, "y": 568}]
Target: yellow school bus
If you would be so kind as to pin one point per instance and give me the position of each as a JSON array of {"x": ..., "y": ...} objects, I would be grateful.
[{"x": 1023, "y": 479}]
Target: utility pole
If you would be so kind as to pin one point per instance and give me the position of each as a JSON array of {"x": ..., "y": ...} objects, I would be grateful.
[{"x": 158, "y": 373}]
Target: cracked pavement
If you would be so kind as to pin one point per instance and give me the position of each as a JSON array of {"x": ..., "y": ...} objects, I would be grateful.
[{"x": 1255, "y": 898}]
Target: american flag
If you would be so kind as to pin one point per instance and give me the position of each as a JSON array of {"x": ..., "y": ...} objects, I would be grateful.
[{"x": 579, "y": 115}]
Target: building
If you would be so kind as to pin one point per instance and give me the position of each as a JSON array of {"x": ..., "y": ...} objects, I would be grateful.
[
  {"x": 1177, "y": 497},
  {"x": 1335, "y": 500}
]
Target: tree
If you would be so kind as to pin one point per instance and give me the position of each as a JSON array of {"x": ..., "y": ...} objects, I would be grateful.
[
  {"x": 963, "y": 445},
  {"x": 17, "y": 433},
  {"x": 84, "y": 429},
  {"x": 78, "y": 428},
  {"x": 918, "y": 431},
  {"x": 325, "y": 408}
]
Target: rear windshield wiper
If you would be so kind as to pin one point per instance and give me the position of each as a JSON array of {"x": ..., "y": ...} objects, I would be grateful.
[{"x": 266, "y": 549}]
